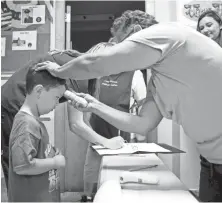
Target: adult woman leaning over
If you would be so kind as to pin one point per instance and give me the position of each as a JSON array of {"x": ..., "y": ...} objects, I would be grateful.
[{"x": 210, "y": 24}]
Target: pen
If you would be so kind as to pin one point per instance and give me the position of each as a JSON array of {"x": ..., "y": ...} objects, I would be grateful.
[{"x": 143, "y": 167}]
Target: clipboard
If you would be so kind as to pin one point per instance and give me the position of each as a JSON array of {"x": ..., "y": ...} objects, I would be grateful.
[{"x": 138, "y": 148}]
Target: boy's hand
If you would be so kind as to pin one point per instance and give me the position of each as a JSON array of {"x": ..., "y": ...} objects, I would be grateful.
[
  {"x": 114, "y": 143},
  {"x": 59, "y": 161},
  {"x": 55, "y": 51}
]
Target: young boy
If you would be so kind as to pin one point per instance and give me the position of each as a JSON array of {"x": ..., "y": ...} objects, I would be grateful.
[{"x": 32, "y": 162}]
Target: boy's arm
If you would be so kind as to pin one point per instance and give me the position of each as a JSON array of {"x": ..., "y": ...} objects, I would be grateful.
[
  {"x": 80, "y": 128},
  {"x": 38, "y": 166},
  {"x": 24, "y": 150}
]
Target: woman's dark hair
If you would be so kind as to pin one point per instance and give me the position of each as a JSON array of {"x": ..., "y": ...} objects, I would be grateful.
[
  {"x": 130, "y": 17},
  {"x": 209, "y": 13}
]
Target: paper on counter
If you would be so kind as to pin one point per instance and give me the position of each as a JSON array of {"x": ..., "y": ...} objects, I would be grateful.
[{"x": 130, "y": 148}]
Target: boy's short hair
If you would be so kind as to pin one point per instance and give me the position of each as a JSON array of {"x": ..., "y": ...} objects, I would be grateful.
[{"x": 43, "y": 78}]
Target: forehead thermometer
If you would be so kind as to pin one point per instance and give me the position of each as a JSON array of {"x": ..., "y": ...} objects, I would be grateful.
[{"x": 73, "y": 97}]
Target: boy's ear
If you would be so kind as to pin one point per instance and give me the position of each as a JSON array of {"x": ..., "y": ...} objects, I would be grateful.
[
  {"x": 137, "y": 28},
  {"x": 38, "y": 90}
]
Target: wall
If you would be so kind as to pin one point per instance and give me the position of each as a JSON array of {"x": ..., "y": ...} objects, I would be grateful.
[{"x": 14, "y": 60}]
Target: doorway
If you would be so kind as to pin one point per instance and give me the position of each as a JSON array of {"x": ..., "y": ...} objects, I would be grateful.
[{"x": 91, "y": 20}]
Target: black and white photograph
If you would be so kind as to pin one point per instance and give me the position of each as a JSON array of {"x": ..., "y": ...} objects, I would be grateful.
[
  {"x": 27, "y": 15},
  {"x": 33, "y": 14},
  {"x": 111, "y": 101},
  {"x": 24, "y": 40}
]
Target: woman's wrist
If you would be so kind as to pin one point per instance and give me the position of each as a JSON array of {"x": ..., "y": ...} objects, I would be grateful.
[{"x": 95, "y": 107}]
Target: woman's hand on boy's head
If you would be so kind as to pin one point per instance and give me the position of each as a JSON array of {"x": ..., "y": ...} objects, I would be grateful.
[
  {"x": 47, "y": 65},
  {"x": 55, "y": 51}
]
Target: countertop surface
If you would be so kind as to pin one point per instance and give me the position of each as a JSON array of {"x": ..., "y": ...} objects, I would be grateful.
[{"x": 169, "y": 189}]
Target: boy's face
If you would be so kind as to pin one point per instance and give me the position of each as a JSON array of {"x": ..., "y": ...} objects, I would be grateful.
[{"x": 48, "y": 99}]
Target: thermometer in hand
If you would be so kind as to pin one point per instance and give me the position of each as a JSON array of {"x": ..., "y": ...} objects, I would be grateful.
[{"x": 73, "y": 97}]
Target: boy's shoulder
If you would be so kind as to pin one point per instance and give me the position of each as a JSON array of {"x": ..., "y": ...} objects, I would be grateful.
[{"x": 25, "y": 123}]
